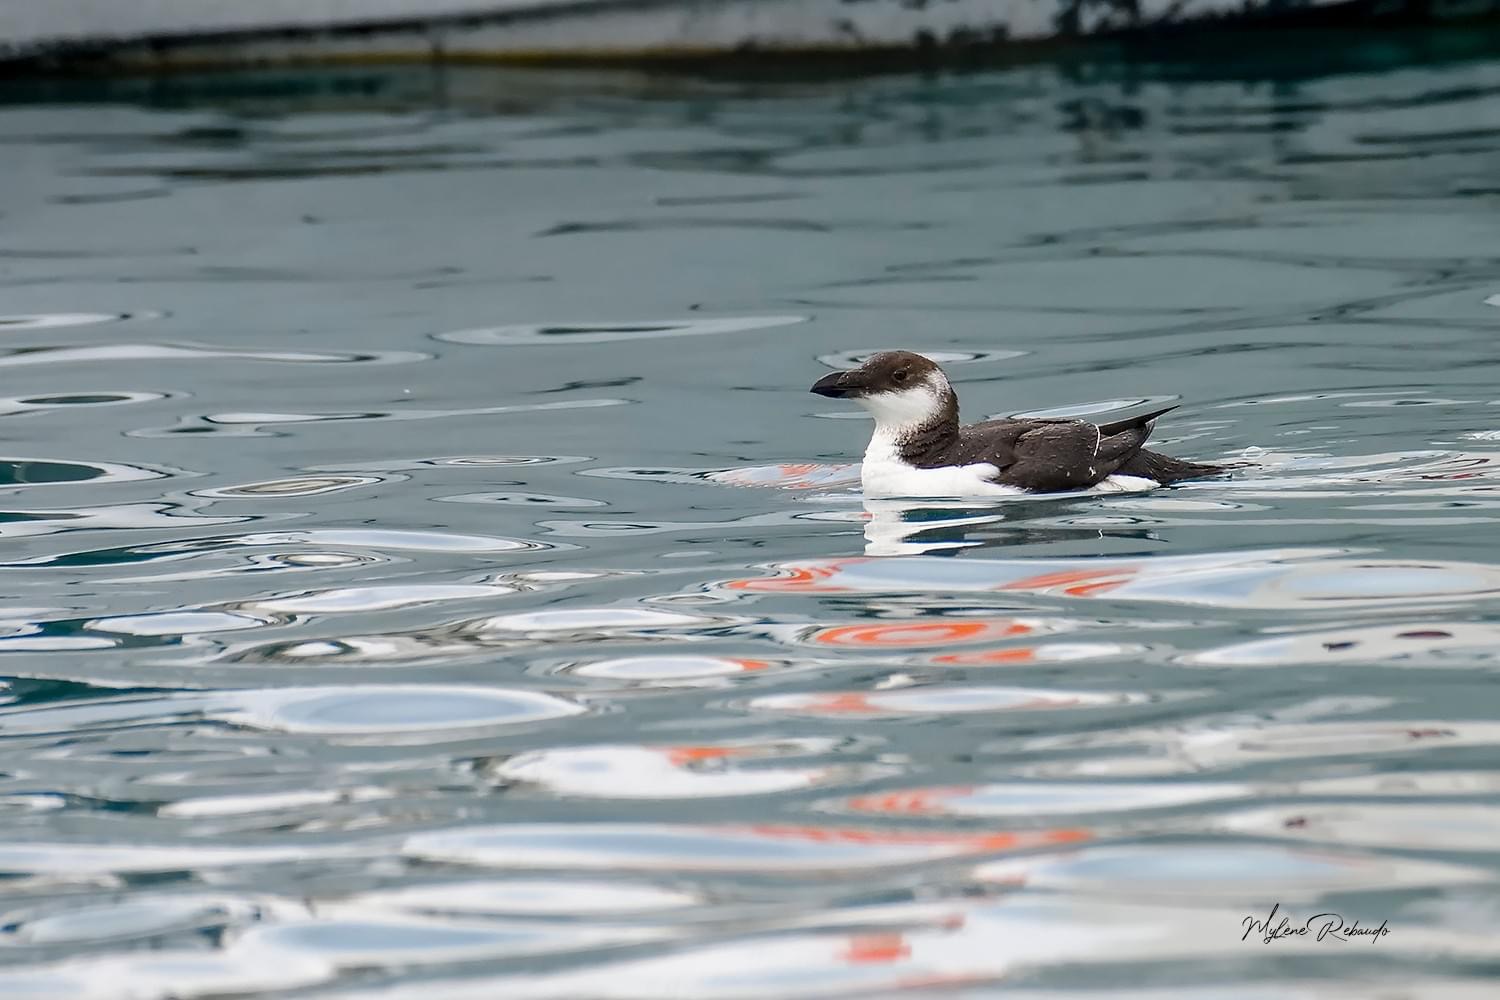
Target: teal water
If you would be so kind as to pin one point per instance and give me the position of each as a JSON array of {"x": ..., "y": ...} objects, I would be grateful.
[{"x": 426, "y": 573}]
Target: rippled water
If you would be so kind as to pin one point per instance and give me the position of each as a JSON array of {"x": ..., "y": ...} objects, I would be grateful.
[{"x": 427, "y": 575}]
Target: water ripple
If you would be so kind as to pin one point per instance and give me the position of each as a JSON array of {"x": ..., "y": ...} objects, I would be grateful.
[
  {"x": 402, "y": 713},
  {"x": 661, "y": 670},
  {"x": 606, "y": 332},
  {"x": 145, "y": 916},
  {"x": 946, "y": 700},
  {"x": 60, "y": 400},
  {"x": 1041, "y": 798},
  {"x": 354, "y": 942},
  {"x": 1229, "y": 873},
  {"x": 785, "y": 475},
  {"x": 25, "y": 472},
  {"x": 763, "y": 847},
  {"x": 43, "y": 321},
  {"x": 1414, "y": 644},
  {"x": 678, "y": 771},
  {"x": 299, "y": 486},
  {"x": 514, "y": 897},
  {"x": 254, "y": 424},
  {"x": 1286, "y": 579},
  {"x": 16, "y": 358}
]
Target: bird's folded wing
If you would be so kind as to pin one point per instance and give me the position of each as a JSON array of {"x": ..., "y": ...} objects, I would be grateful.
[{"x": 1065, "y": 455}]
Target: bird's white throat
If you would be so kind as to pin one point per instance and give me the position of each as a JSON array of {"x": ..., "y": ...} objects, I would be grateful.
[{"x": 897, "y": 414}]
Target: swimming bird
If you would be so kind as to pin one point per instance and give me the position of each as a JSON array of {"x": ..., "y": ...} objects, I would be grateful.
[{"x": 919, "y": 449}]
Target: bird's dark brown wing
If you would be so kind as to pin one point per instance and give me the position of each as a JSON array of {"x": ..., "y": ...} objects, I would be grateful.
[
  {"x": 1073, "y": 454},
  {"x": 1044, "y": 455},
  {"x": 991, "y": 441},
  {"x": 1057, "y": 456}
]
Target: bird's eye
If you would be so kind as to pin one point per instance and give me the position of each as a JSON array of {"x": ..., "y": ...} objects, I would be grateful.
[{"x": 900, "y": 376}]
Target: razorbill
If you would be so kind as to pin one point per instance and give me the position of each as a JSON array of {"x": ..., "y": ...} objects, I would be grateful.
[{"x": 919, "y": 449}]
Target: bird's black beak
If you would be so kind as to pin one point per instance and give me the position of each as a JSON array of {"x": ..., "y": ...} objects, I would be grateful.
[{"x": 837, "y": 385}]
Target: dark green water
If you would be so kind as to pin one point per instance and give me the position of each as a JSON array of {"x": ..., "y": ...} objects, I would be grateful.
[{"x": 426, "y": 575}]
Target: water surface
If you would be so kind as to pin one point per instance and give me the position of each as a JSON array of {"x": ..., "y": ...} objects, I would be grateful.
[{"x": 426, "y": 573}]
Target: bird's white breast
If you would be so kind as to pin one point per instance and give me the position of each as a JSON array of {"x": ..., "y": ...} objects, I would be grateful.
[{"x": 885, "y": 474}]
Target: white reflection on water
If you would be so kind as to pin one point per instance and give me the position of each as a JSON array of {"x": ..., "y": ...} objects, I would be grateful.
[{"x": 358, "y": 640}]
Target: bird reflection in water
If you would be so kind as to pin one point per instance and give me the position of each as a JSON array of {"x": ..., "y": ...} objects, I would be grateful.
[{"x": 947, "y": 527}]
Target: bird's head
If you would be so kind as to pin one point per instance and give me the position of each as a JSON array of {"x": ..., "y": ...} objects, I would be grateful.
[{"x": 901, "y": 389}]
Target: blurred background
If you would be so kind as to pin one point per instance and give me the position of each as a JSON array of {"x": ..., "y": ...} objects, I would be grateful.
[{"x": 426, "y": 574}]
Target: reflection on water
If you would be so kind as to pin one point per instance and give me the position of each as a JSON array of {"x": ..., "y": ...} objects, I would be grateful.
[{"x": 398, "y": 606}]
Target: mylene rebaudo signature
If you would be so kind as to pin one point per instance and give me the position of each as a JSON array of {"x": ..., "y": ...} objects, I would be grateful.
[{"x": 1319, "y": 926}]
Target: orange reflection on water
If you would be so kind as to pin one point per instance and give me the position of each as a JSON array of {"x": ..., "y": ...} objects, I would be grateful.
[
  {"x": 798, "y": 475},
  {"x": 845, "y": 701},
  {"x": 868, "y": 949},
  {"x": 912, "y": 802},
  {"x": 1086, "y": 581},
  {"x": 920, "y": 701},
  {"x": 988, "y": 657},
  {"x": 683, "y": 755},
  {"x": 785, "y": 475},
  {"x": 1010, "y": 840},
  {"x": 800, "y": 578},
  {"x": 922, "y": 633},
  {"x": 1076, "y": 582}
]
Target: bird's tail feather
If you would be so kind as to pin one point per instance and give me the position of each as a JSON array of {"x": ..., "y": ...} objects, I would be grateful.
[
  {"x": 1165, "y": 469},
  {"x": 1131, "y": 423}
]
